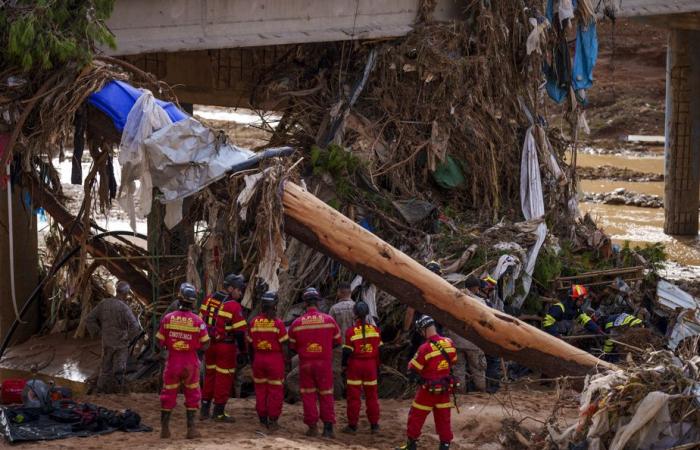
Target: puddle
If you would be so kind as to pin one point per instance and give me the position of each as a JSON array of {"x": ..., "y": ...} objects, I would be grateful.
[{"x": 55, "y": 355}]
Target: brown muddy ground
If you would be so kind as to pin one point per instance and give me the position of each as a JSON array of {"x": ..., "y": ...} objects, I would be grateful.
[
  {"x": 477, "y": 426},
  {"x": 629, "y": 91}
]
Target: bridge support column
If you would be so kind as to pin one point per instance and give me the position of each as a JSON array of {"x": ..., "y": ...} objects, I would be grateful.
[
  {"x": 682, "y": 165},
  {"x": 26, "y": 260}
]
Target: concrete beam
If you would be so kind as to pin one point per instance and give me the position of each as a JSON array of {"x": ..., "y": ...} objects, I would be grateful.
[
  {"x": 26, "y": 261},
  {"x": 177, "y": 25},
  {"x": 687, "y": 21},
  {"x": 682, "y": 165},
  {"x": 640, "y": 8}
]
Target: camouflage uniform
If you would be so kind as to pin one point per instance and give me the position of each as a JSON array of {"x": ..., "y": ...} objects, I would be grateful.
[{"x": 118, "y": 326}]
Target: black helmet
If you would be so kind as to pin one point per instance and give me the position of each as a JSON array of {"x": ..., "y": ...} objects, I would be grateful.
[
  {"x": 311, "y": 295},
  {"x": 360, "y": 309},
  {"x": 268, "y": 299},
  {"x": 434, "y": 267},
  {"x": 423, "y": 322},
  {"x": 235, "y": 280},
  {"x": 188, "y": 292}
]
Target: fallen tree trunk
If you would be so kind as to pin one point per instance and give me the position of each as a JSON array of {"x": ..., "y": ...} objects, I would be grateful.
[
  {"x": 316, "y": 224},
  {"x": 140, "y": 284}
]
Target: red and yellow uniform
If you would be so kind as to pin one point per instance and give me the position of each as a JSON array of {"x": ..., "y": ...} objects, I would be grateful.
[
  {"x": 437, "y": 384},
  {"x": 313, "y": 336},
  {"x": 224, "y": 318},
  {"x": 363, "y": 364},
  {"x": 182, "y": 333},
  {"x": 266, "y": 336}
]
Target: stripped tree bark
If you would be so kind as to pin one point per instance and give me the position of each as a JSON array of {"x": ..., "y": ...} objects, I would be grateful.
[{"x": 316, "y": 224}]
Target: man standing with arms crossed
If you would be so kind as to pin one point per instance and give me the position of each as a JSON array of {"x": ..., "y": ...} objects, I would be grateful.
[
  {"x": 223, "y": 315},
  {"x": 182, "y": 333},
  {"x": 313, "y": 336}
]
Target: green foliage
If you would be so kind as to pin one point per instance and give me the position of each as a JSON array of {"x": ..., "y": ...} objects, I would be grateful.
[
  {"x": 45, "y": 34},
  {"x": 548, "y": 267},
  {"x": 340, "y": 164},
  {"x": 654, "y": 254}
]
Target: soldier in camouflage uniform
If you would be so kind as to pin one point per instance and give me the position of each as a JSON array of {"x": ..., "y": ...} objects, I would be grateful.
[{"x": 117, "y": 324}]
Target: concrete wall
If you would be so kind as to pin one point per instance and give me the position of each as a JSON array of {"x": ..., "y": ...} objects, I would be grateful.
[{"x": 26, "y": 266}]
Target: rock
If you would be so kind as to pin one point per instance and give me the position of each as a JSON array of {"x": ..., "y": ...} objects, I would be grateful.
[
  {"x": 615, "y": 200},
  {"x": 619, "y": 191}
]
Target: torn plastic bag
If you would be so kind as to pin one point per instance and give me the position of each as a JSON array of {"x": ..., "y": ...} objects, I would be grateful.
[
  {"x": 414, "y": 210},
  {"x": 650, "y": 422},
  {"x": 532, "y": 203},
  {"x": 448, "y": 174},
  {"x": 144, "y": 118},
  {"x": 585, "y": 56}
]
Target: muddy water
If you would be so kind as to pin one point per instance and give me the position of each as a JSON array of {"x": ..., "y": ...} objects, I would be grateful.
[
  {"x": 639, "y": 226},
  {"x": 652, "y": 163},
  {"x": 596, "y": 186}
]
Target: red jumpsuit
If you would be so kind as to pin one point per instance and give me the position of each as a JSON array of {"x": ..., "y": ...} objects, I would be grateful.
[
  {"x": 362, "y": 372},
  {"x": 313, "y": 336},
  {"x": 266, "y": 336},
  {"x": 434, "y": 369},
  {"x": 182, "y": 333},
  {"x": 224, "y": 318}
]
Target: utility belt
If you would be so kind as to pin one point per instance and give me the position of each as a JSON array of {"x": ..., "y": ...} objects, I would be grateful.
[{"x": 445, "y": 384}]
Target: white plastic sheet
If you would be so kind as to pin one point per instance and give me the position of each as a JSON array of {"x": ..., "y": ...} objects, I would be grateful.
[
  {"x": 649, "y": 422},
  {"x": 144, "y": 118},
  {"x": 187, "y": 156},
  {"x": 532, "y": 204}
]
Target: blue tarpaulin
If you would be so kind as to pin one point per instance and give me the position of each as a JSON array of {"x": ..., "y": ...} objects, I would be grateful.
[{"x": 117, "y": 98}]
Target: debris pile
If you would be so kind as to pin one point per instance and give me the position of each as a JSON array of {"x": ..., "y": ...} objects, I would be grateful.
[
  {"x": 655, "y": 404},
  {"x": 622, "y": 196}
]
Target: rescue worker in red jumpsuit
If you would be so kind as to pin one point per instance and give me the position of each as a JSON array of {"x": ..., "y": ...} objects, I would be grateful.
[
  {"x": 432, "y": 364},
  {"x": 361, "y": 365},
  {"x": 313, "y": 336},
  {"x": 182, "y": 333},
  {"x": 268, "y": 338},
  {"x": 223, "y": 316}
]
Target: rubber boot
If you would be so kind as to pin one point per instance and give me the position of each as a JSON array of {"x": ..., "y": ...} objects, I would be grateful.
[
  {"x": 312, "y": 431},
  {"x": 205, "y": 412},
  {"x": 350, "y": 429},
  {"x": 272, "y": 424},
  {"x": 444, "y": 446},
  {"x": 220, "y": 415},
  {"x": 328, "y": 430},
  {"x": 409, "y": 445},
  {"x": 264, "y": 421},
  {"x": 374, "y": 428},
  {"x": 192, "y": 432},
  {"x": 165, "y": 424}
]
